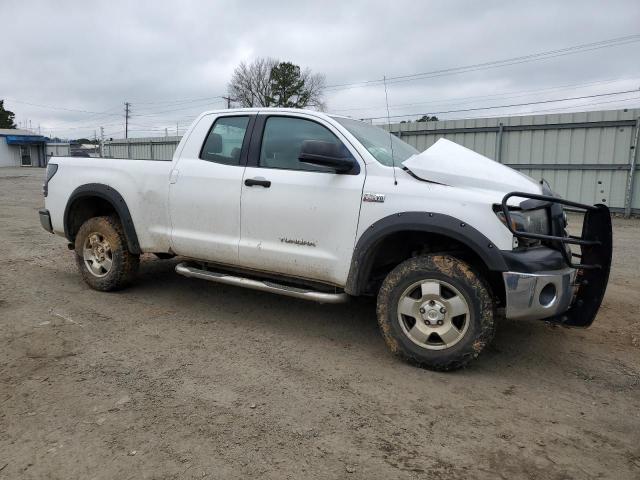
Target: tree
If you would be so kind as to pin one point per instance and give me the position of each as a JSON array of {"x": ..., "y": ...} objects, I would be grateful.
[
  {"x": 427, "y": 118},
  {"x": 6, "y": 117},
  {"x": 293, "y": 88},
  {"x": 250, "y": 86},
  {"x": 266, "y": 82}
]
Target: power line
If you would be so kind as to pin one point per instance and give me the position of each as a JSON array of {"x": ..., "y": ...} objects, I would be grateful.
[
  {"x": 567, "y": 109},
  {"x": 179, "y": 101},
  {"x": 521, "y": 93},
  {"x": 504, "y": 106},
  {"x": 196, "y": 102},
  {"x": 52, "y": 107},
  {"x": 162, "y": 112},
  {"x": 493, "y": 64}
]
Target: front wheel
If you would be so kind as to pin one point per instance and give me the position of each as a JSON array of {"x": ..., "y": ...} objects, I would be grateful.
[
  {"x": 435, "y": 311},
  {"x": 102, "y": 256}
]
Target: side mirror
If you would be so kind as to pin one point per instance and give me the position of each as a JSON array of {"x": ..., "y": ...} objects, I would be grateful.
[{"x": 326, "y": 154}]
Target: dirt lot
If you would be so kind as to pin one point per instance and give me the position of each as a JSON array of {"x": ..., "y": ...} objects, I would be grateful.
[{"x": 180, "y": 378}]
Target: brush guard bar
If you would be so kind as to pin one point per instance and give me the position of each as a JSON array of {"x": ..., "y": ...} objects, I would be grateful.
[{"x": 595, "y": 245}]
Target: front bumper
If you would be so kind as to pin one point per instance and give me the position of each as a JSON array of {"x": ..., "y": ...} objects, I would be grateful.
[
  {"x": 569, "y": 294},
  {"x": 45, "y": 220},
  {"x": 535, "y": 296}
]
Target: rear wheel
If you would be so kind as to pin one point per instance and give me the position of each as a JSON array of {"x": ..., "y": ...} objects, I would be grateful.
[
  {"x": 435, "y": 311},
  {"x": 102, "y": 256}
]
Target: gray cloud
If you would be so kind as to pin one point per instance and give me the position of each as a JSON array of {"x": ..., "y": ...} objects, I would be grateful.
[{"x": 94, "y": 56}]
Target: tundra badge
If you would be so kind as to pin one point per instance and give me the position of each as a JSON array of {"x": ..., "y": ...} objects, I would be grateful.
[{"x": 373, "y": 197}]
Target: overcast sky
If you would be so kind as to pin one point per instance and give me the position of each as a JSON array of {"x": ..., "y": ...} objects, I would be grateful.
[{"x": 171, "y": 59}]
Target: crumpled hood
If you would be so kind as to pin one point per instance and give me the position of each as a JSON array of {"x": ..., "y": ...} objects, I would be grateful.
[{"x": 451, "y": 164}]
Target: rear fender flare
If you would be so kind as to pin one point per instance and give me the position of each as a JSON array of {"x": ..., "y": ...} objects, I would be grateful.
[{"x": 115, "y": 199}]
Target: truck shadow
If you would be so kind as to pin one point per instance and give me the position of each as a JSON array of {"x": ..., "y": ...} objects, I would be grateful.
[{"x": 352, "y": 324}]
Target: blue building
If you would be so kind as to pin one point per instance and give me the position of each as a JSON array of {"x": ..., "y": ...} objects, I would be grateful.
[{"x": 22, "y": 148}]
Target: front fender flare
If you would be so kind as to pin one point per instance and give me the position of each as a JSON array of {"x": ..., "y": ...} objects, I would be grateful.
[
  {"x": 363, "y": 255},
  {"x": 114, "y": 198}
]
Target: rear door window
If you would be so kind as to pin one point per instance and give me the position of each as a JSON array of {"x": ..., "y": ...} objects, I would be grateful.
[{"x": 224, "y": 142}]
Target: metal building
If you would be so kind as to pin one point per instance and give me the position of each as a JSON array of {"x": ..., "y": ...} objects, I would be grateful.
[
  {"x": 58, "y": 149},
  {"x": 151, "y": 148},
  {"x": 22, "y": 148},
  {"x": 589, "y": 157}
]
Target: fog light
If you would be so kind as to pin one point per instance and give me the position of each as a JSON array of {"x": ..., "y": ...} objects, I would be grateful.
[{"x": 547, "y": 295}]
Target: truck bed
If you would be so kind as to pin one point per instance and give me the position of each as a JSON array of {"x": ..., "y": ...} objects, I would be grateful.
[{"x": 143, "y": 184}]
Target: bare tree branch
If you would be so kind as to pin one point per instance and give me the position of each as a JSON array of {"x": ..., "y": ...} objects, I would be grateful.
[
  {"x": 252, "y": 86},
  {"x": 249, "y": 85}
]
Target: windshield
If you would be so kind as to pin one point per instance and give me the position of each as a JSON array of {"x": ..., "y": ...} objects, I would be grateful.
[{"x": 376, "y": 141}]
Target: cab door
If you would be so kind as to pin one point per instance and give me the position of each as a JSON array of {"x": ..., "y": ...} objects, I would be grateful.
[
  {"x": 298, "y": 219},
  {"x": 205, "y": 188}
]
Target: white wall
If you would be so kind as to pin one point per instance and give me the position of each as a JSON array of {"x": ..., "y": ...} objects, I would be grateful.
[
  {"x": 58, "y": 149},
  {"x": 9, "y": 154}
]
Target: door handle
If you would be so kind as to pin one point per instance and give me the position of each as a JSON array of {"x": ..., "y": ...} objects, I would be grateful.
[{"x": 250, "y": 182}]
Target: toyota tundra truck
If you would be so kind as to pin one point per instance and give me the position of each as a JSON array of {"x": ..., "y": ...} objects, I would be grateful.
[{"x": 325, "y": 208}]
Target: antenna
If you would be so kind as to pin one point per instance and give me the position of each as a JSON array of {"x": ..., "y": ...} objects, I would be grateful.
[{"x": 393, "y": 159}]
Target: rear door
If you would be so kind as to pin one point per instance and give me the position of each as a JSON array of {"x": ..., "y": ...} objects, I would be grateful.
[
  {"x": 204, "y": 191},
  {"x": 297, "y": 219}
]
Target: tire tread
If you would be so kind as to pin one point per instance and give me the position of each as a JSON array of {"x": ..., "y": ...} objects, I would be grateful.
[
  {"x": 454, "y": 268},
  {"x": 125, "y": 265}
]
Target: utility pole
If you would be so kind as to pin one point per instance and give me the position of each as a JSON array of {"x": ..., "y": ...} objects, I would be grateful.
[
  {"x": 102, "y": 141},
  {"x": 126, "y": 119},
  {"x": 228, "y": 99},
  {"x": 166, "y": 132},
  {"x": 177, "y": 134}
]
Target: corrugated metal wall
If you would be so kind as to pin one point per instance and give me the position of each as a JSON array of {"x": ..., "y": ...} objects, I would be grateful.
[
  {"x": 586, "y": 156},
  {"x": 60, "y": 149},
  {"x": 150, "y": 148},
  {"x": 9, "y": 154}
]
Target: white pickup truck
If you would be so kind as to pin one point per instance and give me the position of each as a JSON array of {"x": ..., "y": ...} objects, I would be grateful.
[{"x": 324, "y": 207}]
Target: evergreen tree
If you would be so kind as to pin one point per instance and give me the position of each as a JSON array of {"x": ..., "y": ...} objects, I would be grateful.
[
  {"x": 287, "y": 86},
  {"x": 6, "y": 117}
]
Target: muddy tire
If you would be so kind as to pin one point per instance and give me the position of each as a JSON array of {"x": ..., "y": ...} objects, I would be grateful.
[
  {"x": 102, "y": 256},
  {"x": 435, "y": 311}
]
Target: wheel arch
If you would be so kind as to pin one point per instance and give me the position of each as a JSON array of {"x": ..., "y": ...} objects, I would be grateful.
[
  {"x": 96, "y": 199},
  {"x": 420, "y": 227}
]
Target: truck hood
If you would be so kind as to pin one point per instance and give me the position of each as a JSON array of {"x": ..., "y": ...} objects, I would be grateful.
[{"x": 451, "y": 164}]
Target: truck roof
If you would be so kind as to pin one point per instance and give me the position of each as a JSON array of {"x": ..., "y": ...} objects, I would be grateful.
[{"x": 273, "y": 109}]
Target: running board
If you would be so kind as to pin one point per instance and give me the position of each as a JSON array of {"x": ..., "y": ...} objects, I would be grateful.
[{"x": 262, "y": 285}]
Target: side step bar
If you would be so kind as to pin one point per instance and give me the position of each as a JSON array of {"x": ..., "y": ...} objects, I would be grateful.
[{"x": 262, "y": 285}]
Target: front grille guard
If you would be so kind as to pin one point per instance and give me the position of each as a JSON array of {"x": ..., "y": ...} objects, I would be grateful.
[
  {"x": 596, "y": 231},
  {"x": 595, "y": 245}
]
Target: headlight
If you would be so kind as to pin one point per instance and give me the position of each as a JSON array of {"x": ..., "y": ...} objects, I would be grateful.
[{"x": 528, "y": 221}]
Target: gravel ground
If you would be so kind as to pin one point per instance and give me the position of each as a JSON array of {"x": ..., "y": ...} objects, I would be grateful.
[{"x": 181, "y": 378}]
